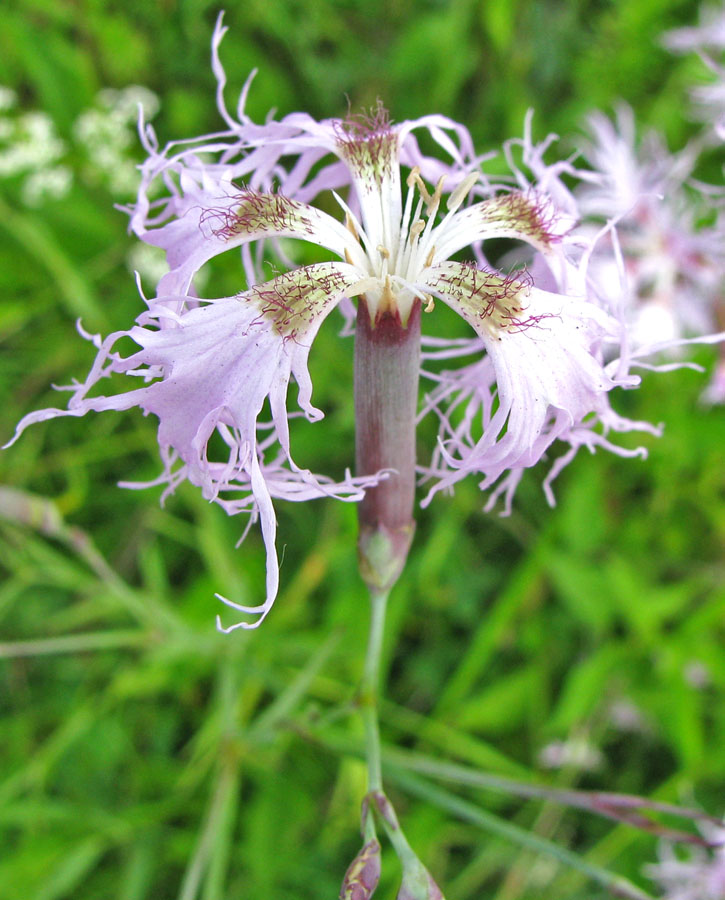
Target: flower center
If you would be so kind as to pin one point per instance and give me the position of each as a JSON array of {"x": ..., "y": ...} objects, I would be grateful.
[{"x": 410, "y": 249}]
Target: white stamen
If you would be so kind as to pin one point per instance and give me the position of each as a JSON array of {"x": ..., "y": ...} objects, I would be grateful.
[
  {"x": 402, "y": 238},
  {"x": 434, "y": 202},
  {"x": 351, "y": 217}
]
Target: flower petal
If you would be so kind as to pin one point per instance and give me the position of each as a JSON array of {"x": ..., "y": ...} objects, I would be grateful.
[
  {"x": 369, "y": 146},
  {"x": 216, "y": 365},
  {"x": 211, "y": 224},
  {"x": 521, "y": 215},
  {"x": 542, "y": 352}
]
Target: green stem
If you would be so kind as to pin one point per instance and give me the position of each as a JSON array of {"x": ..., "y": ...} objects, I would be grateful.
[{"x": 369, "y": 688}]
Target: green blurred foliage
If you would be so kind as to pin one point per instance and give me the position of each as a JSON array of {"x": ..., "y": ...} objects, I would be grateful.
[{"x": 143, "y": 755}]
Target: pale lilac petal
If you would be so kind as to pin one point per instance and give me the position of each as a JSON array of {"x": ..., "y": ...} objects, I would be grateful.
[
  {"x": 524, "y": 216},
  {"x": 541, "y": 357},
  {"x": 661, "y": 266},
  {"x": 709, "y": 34},
  {"x": 219, "y": 31},
  {"x": 700, "y": 875},
  {"x": 215, "y": 366},
  {"x": 473, "y": 389},
  {"x": 213, "y": 224},
  {"x": 714, "y": 393},
  {"x": 455, "y": 141},
  {"x": 533, "y": 173}
]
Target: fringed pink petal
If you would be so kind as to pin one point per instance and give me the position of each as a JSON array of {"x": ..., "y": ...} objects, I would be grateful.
[{"x": 209, "y": 371}]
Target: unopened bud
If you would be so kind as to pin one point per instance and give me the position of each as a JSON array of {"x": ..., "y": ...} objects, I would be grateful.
[
  {"x": 363, "y": 874},
  {"x": 382, "y": 553},
  {"x": 418, "y": 884}
]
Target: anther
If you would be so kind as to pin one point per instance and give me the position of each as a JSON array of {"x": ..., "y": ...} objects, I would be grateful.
[
  {"x": 348, "y": 258},
  {"x": 459, "y": 195},
  {"x": 350, "y": 225},
  {"x": 415, "y": 179},
  {"x": 387, "y": 300},
  {"x": 432, "y": 203},
  {"x": 430, "y": 304},
  {"x": 383, "y": 251},
  {"x": 416, "y": 228},
  {"x": 429, "y": 258},
  {"x": 414, "y": 176}
]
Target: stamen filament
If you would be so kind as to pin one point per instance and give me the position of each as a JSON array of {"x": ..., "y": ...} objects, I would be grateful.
[
  {"x": 425, "y": 241},
  {"x": 404, "y": 261},
  {"x": 361, "y": 235},
  {"x": 403, "y": 236}
]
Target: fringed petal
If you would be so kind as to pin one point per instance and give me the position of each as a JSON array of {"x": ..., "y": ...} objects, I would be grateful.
[
  {"x": 211, "y": 369},
  {"x": 541, "y": 377},
  {"x": 520, "y": 215},
  {"x": 213, "y": 224}
]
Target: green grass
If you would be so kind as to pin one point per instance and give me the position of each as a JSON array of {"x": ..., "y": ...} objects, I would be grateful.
[{"x": 143, "y": 756}]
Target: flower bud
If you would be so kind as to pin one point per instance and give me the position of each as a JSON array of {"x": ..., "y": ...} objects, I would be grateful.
[
  {"x": 418, "y": 885},
  {"x": 417, "y": 881},
  {"x": 363, "y": 874}
]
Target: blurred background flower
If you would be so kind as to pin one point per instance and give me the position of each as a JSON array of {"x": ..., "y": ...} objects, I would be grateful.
[{"x": 694, "y": 875}]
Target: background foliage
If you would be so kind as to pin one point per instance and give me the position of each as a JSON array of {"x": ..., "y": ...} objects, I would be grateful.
[{"x": 145, "y": 756}]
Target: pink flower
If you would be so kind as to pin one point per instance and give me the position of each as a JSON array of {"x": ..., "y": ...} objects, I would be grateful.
[
  {"x": 708, "y": 40},
  {"x": 699, "y": 876},
  {"x": 708, "y": 35},
  {"x": 662, "y": 264},
  {"x": 545, "y": 351}
]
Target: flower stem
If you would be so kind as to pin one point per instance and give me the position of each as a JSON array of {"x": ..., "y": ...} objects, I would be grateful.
[{"x": 369, "y": 688}]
